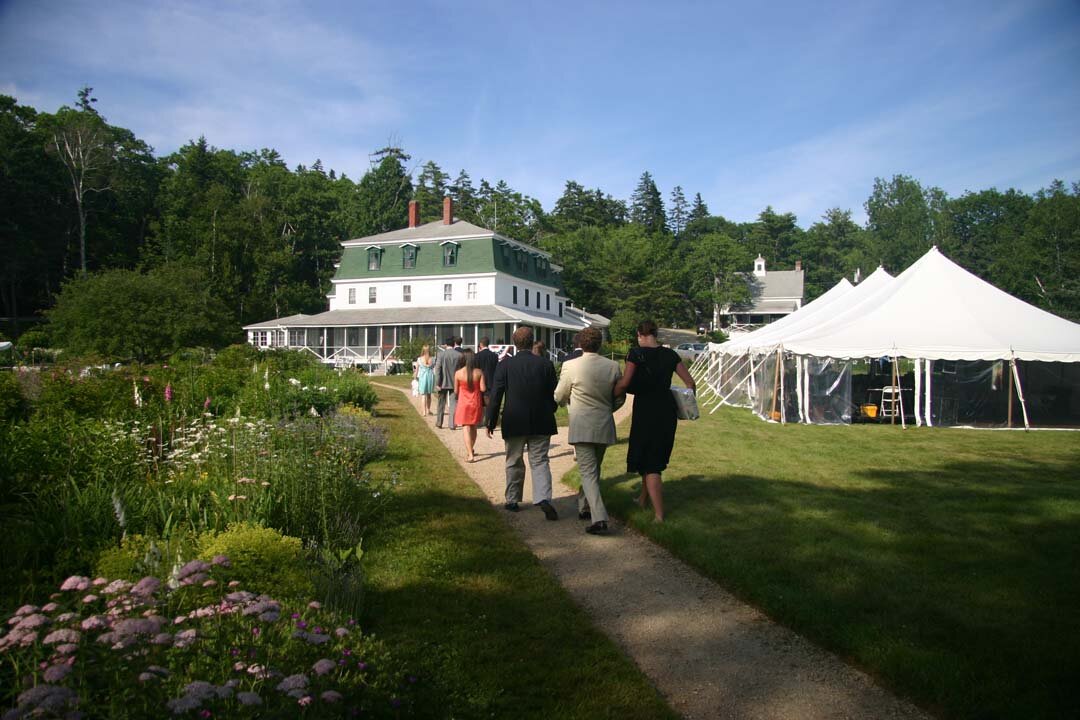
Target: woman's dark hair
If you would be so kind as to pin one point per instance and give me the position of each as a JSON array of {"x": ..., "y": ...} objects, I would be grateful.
[
  {"x": 467, "y": 361},
  {"x": 647, "y": 327}
]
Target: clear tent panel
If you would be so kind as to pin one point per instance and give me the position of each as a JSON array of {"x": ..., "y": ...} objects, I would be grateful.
[
  {"x": 827, "y": 385},
  {"x": 1051, "y": 393}
]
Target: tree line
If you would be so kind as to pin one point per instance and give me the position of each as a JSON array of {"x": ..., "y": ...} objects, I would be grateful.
[{"x": 246, "y": 238}]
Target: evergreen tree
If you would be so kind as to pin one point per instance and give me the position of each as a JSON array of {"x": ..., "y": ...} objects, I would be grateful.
[
  {"x": 647, "y": 207},
  {"x": 384, "y": 193},
  {"x": 699, "y": 210},
  {"x": 465, "y": 200},
  {"x": 431, "y": 187},
  {"x": 680, "y": 212}
]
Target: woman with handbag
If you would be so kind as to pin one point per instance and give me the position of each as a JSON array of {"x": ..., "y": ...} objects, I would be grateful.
[{"x": 647, "y": 377}]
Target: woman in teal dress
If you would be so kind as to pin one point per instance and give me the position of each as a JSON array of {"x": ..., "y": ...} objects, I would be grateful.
[{"x": 425, "y": 377}]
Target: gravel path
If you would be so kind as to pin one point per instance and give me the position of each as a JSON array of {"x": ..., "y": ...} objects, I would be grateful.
[{"x": 709, "y": 654}]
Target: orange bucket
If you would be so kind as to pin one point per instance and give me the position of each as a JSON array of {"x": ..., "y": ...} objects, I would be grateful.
[{"x": 869, "y": 410}]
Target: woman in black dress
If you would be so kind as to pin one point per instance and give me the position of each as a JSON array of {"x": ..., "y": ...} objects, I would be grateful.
[{"x": 647, "y": 377}]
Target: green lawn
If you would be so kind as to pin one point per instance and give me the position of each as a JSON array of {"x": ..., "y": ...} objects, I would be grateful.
[
  {"x": 945, "y": 562},
  {"x": 454, "y": 592}
]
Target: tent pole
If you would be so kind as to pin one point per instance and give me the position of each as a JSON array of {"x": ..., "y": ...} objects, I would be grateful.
[
  {"x": 899, "y": 393},
  {"x": 1020, "y": 393},
  {"x": 918, "y": 392},
  {"x": 776, "y": 386},
  {"x": 1010, "y": 395},
  {"x": 783, "y": 397},
  {"x": 799, "y": 387},
  {"x": 892, "y": 416},
  {"x": 929, "y": 371}
]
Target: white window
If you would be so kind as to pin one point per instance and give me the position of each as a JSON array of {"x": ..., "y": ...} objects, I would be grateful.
[
  {"x": 352, "y": 296},
  {"x": 408, "y": 256},
  {"x": 374, "y": 258},
  {"x": 406, "y": 293},
  {"x": 260, "y": 338},
  {"x": 472, "y": 291},
  {"x": 447, "y": 291},
  {"x": 371, "y": 295},
  {"x": 297, "y": 338}
]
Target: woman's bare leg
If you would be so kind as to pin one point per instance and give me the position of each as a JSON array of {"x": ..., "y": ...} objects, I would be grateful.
[
  {"x": 470, "y": 441},
  {"x": 656, "y": 494}
]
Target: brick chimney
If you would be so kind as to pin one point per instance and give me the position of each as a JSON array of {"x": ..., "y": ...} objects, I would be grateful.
[
  {"x": 798, "y": 265},
  {"x": 447, "y": 211},
  {"x": 414, "y": 213}
]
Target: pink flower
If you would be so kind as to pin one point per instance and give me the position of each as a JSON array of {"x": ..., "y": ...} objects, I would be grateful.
[
  {"x": 63, "y": 635},
  {"x": 50, "y": 607},
  {"x": 206, "y": 404},
  {"x": 168, "y": 392},
  {"x": 66, "y": 649},
  {"x": 304, "y": 701},
  {"x": 323, "y": 666},
  {"x": 90, "y": 598},
  {"x": 27, "y": 610},
  {"x": 76, "y": 582},
  {"x": 99, "y": 581},
  {"x": 331, "y": 696},
  {"x": 314, "y": 605}
]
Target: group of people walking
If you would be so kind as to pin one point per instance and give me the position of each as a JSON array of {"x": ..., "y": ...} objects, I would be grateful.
[{"x": 524, "y": 392}]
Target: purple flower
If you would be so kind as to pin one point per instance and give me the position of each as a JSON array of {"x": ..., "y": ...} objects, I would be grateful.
[
  {"x": 48, "y": 699},
  {"x": 206, "y": 404},
  {"x": 395, "y": 702},
  {"x": 248, "y": 698},
  {"x": 26, "y": 610},
  {"x": 192, "y": 568},
  {"x": 294, "y": 684},
  {"x": 66, "y": 649},
  {"x": 255, "y": 631},
  {"x": 331, "y": 696},
  {"x": 323, "y": 666},
  {"x": 168, "y": 392},
  {"x": 301, "y": 624},
  {"x": 56, "y": 673},
  {"x": 146, "y": 586}
]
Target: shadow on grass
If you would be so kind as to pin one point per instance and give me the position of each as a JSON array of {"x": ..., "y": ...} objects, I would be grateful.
[
  {"x": 489, "y": 632},
  {"x": 956, "y": 585}
]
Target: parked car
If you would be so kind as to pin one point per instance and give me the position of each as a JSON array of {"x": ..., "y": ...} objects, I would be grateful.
[{"x": 689, "y": 351}]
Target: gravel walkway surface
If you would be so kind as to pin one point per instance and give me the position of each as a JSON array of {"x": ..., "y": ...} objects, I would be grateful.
[{"x": 709, "y": 654}]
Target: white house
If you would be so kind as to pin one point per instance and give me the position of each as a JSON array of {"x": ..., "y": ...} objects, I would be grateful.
[
  {"x": 773, "y": 294},
  {"x": 443, "y": 278}
]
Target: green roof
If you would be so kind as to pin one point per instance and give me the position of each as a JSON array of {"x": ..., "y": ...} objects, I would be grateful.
[{"x": 474, "y": 255}]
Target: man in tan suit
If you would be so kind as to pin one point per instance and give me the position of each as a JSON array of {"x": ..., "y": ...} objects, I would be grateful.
[{"x": 587, "y": 384}]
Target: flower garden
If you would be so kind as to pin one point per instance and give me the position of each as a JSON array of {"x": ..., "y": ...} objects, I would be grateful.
[{"x": 185, "y": 540}]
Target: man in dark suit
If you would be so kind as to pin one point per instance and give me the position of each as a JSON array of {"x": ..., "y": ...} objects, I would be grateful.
[
  {"x": 577, "y": 351},
  {"x": 487, "y": 361},
  {"x": 445, "y": 368},
  {"x": 527, "y": 383}
]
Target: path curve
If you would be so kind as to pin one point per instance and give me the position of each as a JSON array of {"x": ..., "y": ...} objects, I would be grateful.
[{"x": 709, "y": 654}]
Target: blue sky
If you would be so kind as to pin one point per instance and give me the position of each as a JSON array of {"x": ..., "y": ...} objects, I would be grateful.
[{"x": 791, "y": 104}]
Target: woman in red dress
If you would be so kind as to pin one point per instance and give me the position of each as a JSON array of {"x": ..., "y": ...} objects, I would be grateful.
[{"x": 470, "y": 388}]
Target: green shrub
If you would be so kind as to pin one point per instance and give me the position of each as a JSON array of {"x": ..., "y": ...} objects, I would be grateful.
[
  {"x": 140, "y": 555},
  {"x": 263, "y": 560},
  {"x": 13, "y": 405}
]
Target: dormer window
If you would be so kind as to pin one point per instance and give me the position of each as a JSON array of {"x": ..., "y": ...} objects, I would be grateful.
[
  {"x": 408, "y": 256},
  {"x": 449, "y": 254},
  {"x": 374, "y": 258}
]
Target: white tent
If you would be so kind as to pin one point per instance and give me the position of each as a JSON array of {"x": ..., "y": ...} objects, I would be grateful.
[
  {"x": 728, "y": 369},
  {"x": 943, "y": 330}
]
